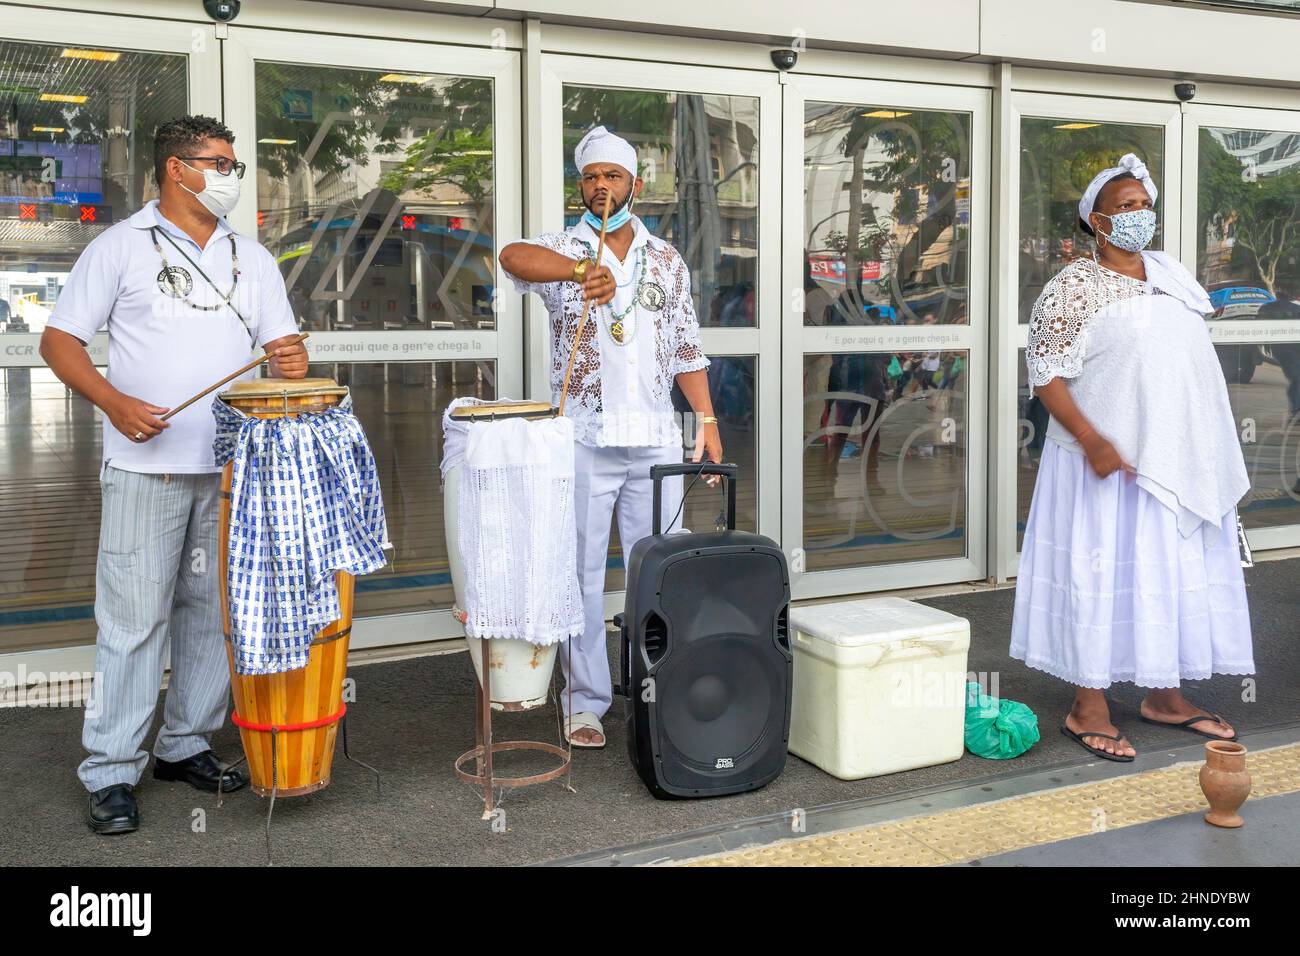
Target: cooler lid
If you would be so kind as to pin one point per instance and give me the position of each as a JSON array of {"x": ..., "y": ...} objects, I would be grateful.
[{"x": 873, "y": 621}]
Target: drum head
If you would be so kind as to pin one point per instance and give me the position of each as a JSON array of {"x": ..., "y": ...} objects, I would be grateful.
[
  {"x": 275, "y": 387},
  {"x": 500, "y": 410}
]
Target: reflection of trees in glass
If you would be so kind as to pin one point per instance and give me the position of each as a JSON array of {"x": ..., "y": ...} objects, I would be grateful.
[
  {"x": 687, "y": 131},
  {"x": 367, "y": 104},
  {"x": 1252, "y": 217},
  {"x": 354, "y": 140},
  {"x": 457, "y": 148},
  {"x": 918, "y": 160}
]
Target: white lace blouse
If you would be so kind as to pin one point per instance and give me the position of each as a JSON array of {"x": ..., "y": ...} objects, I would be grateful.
[
  {"x": 1138, "y": 361},
  {"x": 639, "y": 411}
]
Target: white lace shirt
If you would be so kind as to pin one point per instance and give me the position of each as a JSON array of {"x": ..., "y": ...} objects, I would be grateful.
[
  {"x": 621, "y": 395},
  {"x": 1138, "y": 361}
]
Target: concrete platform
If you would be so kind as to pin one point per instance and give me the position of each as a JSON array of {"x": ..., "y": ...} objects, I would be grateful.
[{"x": 412, "y": 718}]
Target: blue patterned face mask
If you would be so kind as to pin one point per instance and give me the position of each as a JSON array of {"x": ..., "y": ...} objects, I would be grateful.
[{"x": 1131, "y": 231}]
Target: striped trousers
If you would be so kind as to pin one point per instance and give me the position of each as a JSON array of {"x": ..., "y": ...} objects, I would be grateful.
[{"x": 156, "y": 582}]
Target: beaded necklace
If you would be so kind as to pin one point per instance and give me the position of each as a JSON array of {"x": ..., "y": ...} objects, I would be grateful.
[
  {"x": 617, "y": 330},
  {"x": 174, "y": 277}
]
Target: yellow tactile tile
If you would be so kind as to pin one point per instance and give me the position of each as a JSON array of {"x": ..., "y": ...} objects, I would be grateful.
[{"x": 1001, "y": 826}]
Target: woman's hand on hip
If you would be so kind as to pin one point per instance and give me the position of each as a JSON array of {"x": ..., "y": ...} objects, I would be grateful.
[{"x": 1104, "y": 457}]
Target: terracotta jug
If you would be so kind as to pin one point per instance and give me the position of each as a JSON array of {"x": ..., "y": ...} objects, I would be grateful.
[{"x": 1225, "y": 782}]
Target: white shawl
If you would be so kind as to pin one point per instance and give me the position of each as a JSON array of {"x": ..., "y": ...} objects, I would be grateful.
[
  {"x": 517, "y": 536},
  {"x": 1140, "y": 365}
]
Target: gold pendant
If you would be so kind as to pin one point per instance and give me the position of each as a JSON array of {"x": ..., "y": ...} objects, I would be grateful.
[{"x": 616, "y": 331}]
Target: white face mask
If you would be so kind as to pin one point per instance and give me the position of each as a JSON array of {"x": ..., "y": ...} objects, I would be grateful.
[{"x": 220, "y": 193}]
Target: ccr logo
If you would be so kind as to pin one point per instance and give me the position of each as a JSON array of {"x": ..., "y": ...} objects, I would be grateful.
[{"x": 19, "y": 349}]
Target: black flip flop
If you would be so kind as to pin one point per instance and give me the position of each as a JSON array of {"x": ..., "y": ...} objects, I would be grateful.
[
  {"x": 1187, "y": 725},
  {"x": 1097, "y": 751}
]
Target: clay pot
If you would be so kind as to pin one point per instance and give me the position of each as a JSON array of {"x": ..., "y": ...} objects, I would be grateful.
[{"x": 1225, "y": 782}]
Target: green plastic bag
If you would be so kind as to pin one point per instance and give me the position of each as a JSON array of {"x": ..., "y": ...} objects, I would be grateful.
[
  {"x": 895, "y": 368},
  {"x": 998, "y": 729}
]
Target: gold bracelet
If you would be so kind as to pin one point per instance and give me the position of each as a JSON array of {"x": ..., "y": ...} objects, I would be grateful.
[
  {"x": 708, "y": 420},
  {"x": 580, "y": 269}
]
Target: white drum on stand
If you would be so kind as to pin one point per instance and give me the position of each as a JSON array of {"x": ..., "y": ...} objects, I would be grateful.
[{"x": 521, "y": 672}]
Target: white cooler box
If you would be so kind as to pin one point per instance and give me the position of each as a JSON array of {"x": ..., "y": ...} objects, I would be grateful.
[{"x": 879, "y": 686}]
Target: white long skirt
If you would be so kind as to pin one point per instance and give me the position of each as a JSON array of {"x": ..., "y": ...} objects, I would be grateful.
[{"x": 1109, "y": 590}]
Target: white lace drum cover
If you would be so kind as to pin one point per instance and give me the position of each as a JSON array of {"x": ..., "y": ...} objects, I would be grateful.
[{"x": 507, "y": 474}]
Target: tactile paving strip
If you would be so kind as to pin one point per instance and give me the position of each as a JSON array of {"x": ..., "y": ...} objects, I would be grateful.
[{"x": 1001, "y": 826}]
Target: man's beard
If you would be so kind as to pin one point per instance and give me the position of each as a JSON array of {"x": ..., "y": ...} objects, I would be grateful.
[{"x": 614, "y": 205}]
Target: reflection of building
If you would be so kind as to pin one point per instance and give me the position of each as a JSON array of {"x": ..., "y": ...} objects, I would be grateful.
[
  {"x": 1262, "y": 154},
  {"x": 379, "y": 244},
  {"x": 901, "y": 221}
]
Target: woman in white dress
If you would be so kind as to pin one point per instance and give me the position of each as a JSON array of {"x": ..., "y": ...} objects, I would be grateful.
[{"x": 1131, "y": 569}]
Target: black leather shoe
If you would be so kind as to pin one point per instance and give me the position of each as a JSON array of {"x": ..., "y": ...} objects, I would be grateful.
[
  {"x": 200, "y": 771},
  {"x": 113, "y": 810}
]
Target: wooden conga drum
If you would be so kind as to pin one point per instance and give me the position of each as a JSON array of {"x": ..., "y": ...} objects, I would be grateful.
[{"x": 288, "y": 722}]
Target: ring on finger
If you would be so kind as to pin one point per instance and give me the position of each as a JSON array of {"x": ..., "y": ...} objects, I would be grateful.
[{"x": 139, "y": 436}]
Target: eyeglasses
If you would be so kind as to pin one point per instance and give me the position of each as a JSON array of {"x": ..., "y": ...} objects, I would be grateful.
[{"x": 223, "y": 164}]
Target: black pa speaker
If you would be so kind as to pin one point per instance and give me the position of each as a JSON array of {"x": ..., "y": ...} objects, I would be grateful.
[{"x": 706, "y": 664}]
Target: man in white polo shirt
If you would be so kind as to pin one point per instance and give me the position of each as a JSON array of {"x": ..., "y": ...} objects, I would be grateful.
[{"x": 185, "y": 302}]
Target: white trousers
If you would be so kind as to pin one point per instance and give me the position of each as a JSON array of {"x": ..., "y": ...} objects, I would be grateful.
[{"x": 606, "y": 479}]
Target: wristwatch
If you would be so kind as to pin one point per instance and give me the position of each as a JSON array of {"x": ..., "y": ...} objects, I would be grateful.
[{"x": 580, "y": 269}]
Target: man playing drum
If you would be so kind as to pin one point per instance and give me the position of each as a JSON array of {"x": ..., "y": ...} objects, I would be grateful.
[
  {"x": 184, "y": 300},
  {"x": 640, "y": 337}
]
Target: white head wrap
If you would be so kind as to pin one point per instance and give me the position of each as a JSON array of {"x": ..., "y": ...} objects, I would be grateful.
[
  {"x": 1128, "y": 163},
  {"x": 602, "y": 146}
]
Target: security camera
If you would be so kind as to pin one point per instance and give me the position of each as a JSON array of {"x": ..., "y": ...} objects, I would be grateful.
[
  {"x": 784, "y": 59},
  {"x": 1185, "y": 91},
  {"x": 223, "y": 11}
]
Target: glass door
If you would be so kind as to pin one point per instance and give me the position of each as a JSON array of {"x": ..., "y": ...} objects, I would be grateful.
[
  {"x": 1241, "y": 237},
  {"x": 708, "y": 144},
  {"x": 385, "y": 189},
  {"x": 886, "y": 256},
  {"x": 76, "y": 156},
  {"x": 1061, "y": 142}
]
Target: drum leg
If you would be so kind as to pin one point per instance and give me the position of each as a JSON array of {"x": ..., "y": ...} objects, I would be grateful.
[
  {"x": 478, "y": 729},
  {"x": 275, "y": 784},
  {"x": 568, "y": 689},
  {"x": 485, "y": 712},
  {"x": 343, "y": 724}
]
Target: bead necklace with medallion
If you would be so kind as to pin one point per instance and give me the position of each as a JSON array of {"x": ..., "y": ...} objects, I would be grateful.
[
  {"x": 617, "y": 330},
  {"x": 177, "y": 283}
]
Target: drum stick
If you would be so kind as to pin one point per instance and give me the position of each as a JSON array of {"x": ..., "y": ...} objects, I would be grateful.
[
  {"x": 233, "y": 375},
  {"x": 600, "y": 251}
]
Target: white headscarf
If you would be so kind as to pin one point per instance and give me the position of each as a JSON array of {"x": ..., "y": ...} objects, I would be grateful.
[
  {"x": 1128, "y": 163},
  {"x": 602, "y": 146}
]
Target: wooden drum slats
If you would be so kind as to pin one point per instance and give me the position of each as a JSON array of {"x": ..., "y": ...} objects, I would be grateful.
[{"x": 303, "y": 758}]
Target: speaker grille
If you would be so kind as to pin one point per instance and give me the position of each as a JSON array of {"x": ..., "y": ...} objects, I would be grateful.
[
  {"x": 715, "y": 702},
  {"x": 721, "y": 689}
]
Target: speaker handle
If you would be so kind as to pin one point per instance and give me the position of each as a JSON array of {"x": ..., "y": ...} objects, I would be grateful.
[
  {"x": 659, "y": 472},
  {"x": 624, "y": 665}
]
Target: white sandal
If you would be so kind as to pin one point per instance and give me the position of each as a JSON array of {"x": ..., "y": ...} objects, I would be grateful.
[{"x": 584, "y": 721}]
